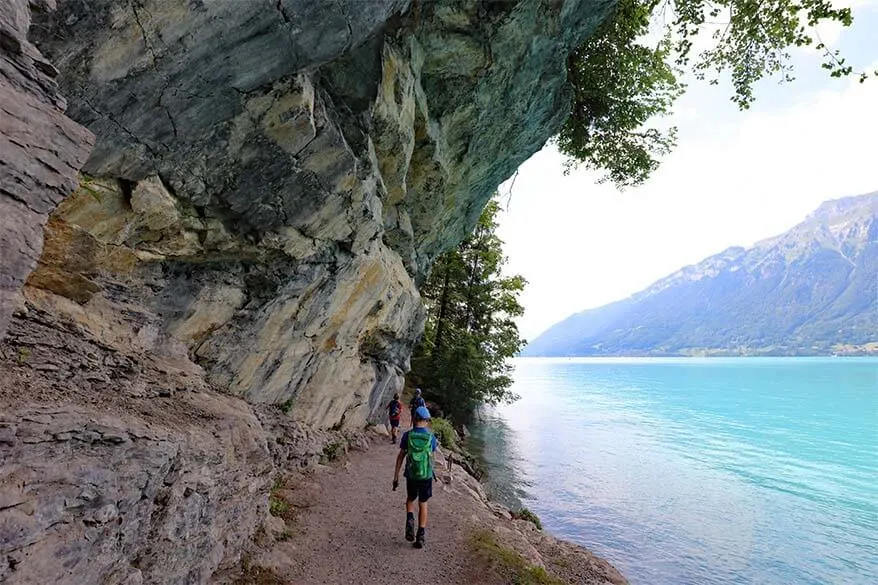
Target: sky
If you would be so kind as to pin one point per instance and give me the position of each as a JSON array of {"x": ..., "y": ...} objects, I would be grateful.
[{"x": 734, "y": 178}]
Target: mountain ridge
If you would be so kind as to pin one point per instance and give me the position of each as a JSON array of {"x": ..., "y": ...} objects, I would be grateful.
[{"x": 807, "y": 291}]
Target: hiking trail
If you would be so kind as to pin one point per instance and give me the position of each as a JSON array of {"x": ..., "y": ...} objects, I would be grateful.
[{"x": 344, "y": 525}]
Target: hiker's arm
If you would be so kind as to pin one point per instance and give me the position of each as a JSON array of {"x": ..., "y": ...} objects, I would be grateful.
[{"x": 399, "y": 460}]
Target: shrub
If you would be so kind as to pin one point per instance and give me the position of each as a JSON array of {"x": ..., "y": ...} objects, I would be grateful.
[
  {"x": 525, "y": 514},
  {"x": 445, "y": 432},
  {"x": 333, "y": 451}
]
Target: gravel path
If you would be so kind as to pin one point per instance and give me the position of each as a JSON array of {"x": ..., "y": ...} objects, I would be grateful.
[
  {"x": 347, "y": 527},
  {"x": 352, "y": 530}
]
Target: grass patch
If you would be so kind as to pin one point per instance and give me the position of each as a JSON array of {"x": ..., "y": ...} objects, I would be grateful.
[
  {"x": 444, "y": 431},
  {"x": 87, "y": 184},
  {"x": 508, "y": 564},
  {"x": 277, "y": 505},
  {"x": 333, "y": 450},
  {"x": 286, "y": 406},
  {"x": 23, "y": 354},
  {"x": 525, "y": 514}
]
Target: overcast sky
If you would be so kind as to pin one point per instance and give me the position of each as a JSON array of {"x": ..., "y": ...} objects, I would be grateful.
[{"x": 734, "y": 178}]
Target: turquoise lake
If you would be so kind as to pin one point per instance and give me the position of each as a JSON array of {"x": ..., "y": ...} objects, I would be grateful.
[{"x": 698, "y": 471}]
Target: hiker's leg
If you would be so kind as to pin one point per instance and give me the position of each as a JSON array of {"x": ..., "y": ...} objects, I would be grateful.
[
  {"x": 425, "y": 492},
  {"x": 422, "y": 514},
  {"x": 411, "y": 495}
]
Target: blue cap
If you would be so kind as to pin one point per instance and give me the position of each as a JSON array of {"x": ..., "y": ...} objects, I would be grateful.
[{"x": 421, "y": 413}]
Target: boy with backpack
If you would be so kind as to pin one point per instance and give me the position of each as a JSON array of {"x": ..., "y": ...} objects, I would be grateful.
[
  {"x": 394, "y": 410},
  {"x": 416, "y": 447}
]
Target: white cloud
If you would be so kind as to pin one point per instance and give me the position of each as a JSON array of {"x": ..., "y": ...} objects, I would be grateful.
[{"x": 733, "y": 180}]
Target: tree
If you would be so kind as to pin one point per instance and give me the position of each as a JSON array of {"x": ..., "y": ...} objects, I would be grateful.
[
  {"x": 622, "y": 85},
  {"x": 470, "y": 332}
]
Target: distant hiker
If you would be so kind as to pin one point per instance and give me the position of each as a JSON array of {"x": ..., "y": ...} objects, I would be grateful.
[
  {"x": 415, "y": 403},
  {"x": 394, "y": 411},
  {"x": 417, "y": 447}
]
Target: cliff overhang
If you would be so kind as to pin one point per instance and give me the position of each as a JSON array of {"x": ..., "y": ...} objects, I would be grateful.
[
  {"x": 274, "y": 178},
  {"x": 268, "y": 183}
]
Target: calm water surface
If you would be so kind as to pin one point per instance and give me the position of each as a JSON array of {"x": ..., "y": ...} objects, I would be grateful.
[{"x": 698, "y": 471}]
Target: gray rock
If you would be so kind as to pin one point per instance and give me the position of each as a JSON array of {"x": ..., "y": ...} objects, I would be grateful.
[
  {"x": 106, "y": 505},
  {"x": 379, "y": 430},
  {"x": 296, "y": 168},
  {"x": 40, "y": 147},
  {"x": 271, "y": 181}
]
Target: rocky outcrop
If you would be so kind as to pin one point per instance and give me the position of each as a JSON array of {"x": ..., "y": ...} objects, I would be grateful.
[
  {"x": 271, "y": 180},
  {"x": 119, "y": 465},
  {"x": 40, "y": 149},
  {"x": 275, "y": 177},
  {"x": 115, "y": 466}
]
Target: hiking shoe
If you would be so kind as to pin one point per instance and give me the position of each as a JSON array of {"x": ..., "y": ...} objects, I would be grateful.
[
  {"x": 410, "y": 528},
  {"x": 421, "y": 540}
]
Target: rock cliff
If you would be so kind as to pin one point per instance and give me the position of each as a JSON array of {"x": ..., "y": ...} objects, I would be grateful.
[
  {"x": 269, "y": 182},
  {"x": 40, "y": 150}
]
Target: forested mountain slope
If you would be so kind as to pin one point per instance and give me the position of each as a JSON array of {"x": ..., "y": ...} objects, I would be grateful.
[{"x": 811, "y": 290}]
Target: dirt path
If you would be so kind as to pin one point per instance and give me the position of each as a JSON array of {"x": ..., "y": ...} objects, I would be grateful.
[
  {"x": 343, "y": 525},
  {"x": 347, "y": 527},
  {"x": 358, "y": 521}
]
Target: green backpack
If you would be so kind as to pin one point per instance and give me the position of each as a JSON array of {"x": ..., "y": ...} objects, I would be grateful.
[{"x": 420, "y": 455}]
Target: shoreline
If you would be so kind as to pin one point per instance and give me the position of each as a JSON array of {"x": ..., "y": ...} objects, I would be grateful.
[{"x": 476, "y": 539}]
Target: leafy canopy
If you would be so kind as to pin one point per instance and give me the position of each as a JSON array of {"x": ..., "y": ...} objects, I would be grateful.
[{"x": 622, "y": 85}]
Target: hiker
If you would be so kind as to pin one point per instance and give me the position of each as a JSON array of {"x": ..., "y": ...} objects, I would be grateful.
[
  {"x": 417, "y": 447},
  {"x": 394, "y": 411},
  {"x": 416, "y": 402}
]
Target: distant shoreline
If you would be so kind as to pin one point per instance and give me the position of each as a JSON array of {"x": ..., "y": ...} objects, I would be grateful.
[{"x": 711, "y": 354}]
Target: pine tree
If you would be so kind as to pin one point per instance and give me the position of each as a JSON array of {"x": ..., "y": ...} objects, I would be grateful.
[{"x": 470, "y": 333}]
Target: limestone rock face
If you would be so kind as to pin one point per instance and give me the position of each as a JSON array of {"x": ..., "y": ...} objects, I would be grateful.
[
  {"x": 117, "y": 464},
  {"x": 234, "y": 282},
  {"x": 40, "y": 149},
  {"x": 131, "y": 502},
  {"x": 281, "y": 174}
]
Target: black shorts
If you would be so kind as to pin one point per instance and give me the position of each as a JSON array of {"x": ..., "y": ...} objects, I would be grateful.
[
  {"x": 419, "y": 489},
  {"x": 394, "y": 423}
]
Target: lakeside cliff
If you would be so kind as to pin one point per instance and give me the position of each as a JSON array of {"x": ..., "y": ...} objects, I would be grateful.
[{"x": 232, "y": 287}]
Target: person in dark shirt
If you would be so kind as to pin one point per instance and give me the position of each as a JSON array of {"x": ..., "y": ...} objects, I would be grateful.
[
  {"x": 416, "y": 448},
  {"x": 416, "y": 402},
  {"x": 394, "y": 411}
]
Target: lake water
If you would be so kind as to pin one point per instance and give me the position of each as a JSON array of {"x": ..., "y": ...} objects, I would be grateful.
[{"x": 698, "y": 471}]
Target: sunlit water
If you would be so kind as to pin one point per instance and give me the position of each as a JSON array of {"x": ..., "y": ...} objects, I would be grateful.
[{"x": 698, "y": 471}]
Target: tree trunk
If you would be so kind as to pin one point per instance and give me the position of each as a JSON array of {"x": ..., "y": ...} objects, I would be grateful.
[{"x": 443, "y": 314}]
